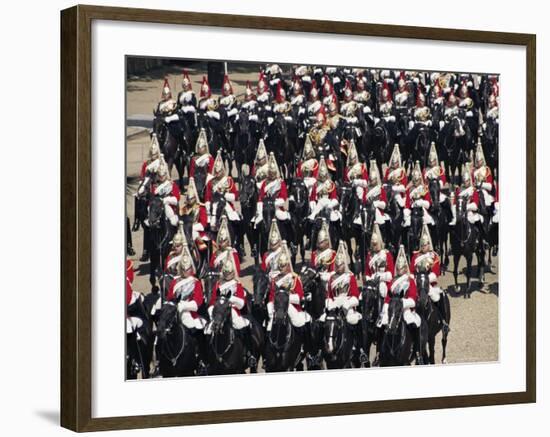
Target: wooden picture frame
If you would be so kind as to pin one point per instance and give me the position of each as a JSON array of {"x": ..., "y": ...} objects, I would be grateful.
[{"x": 76, "y": 222}]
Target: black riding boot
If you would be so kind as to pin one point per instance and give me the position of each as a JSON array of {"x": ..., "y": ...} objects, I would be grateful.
[
  {"x": 129, "y": 246},
  {"x": 202, "y": 350},
  {"x": 145, "y": 255},
  {"x": 358, "y": 331},
  {"x": 246, "y": 332},
  {"x": 417, "y": 343}
]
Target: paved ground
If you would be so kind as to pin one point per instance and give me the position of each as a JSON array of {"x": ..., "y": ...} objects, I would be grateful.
[{"x": 474, "y": 324}]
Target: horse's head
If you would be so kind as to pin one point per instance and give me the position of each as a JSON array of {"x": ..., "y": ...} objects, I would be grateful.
[
  {"x": 457, "y": 128},
  {"x": 369, "y": 298},
  {"x": 156, "y": 212},
  {"x": 210, "y": 278},
  {"x": 260, "y": 282},
  {"x": 395, "y": 315},
  {"x": 221, "y": 314},
  {"x": 268, "y": 211},
  {"x": 243, "y": 123},
  {"x": 167, "y": 319},
  {"x": 423, "y": 288},
  {"x": 333, "y": 330},
  {"x": 434, "y": 189},
  {"x": 299, "y": 193},
  {"x": 248, "y": 190},
  {"x": 280, "y": 306}
]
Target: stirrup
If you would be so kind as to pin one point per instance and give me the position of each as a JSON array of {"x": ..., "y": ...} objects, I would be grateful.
[{"x": 252, "y": 362}]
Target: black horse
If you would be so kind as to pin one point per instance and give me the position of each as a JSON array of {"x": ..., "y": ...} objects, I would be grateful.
[
  {"x": 139, "y": 341},
  {"x": 397, "y": 343},
  {"x": 170, "y": 137},
  {"x": 315, "y": 296},
  {"x": 429, "y": 313},
  {"x": 371, "y": 305},
  {"x": 396, "y": 234},
  {"x": 465, "y": 242},
  {"x": 260, "y": 295},
  {"x": 245, "y": 143},
  {"x": 160, "y": 235},
  {"x": 337, "y": 340},
  {"x": 415, "y": 229},
  {"x": 282, "y": 137},
  {"x": 248, "y": 198},
  {"x": 226, "y": 348},
  {"x": 298, "y": 206},
  {"x": 283, "y": 343},
  {"x": 176, "y": 347},
  {"x": 441, "y": 214},
  {"x": 455, "y": 144}
]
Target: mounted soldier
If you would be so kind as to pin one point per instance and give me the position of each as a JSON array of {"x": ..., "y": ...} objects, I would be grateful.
[
  {"x": 231, "y": 288},
  {"x": 308, "y": 167},
  {"x": 194, "y": 213},
  {"x": 270, "y": 262},
  {"x": 187, "y": 101},
  {"x": 228, "y": 102},
  {"x": 290, "y": 282},
  {"x": 148, "y": 177},
  {"x": 205, "y": 95},
  {"x": 343, "y": 292},
  {"x": 174, "y": 256},
  {"x": 224, "y": 249},
  {"x": 219, "y": 187},
  {"x": 314, "y": 101},
  {"x": 356, "y": 172},
  {"x": 169, "y": 192},
  {"x": 426, "y": 260},
  {"x": 167, "y": 105},
  {"x": 396, "y": 176},
  {"x": 322, "y": 259},
  {"x": 324, "y": 196},
  {"x": 483, "y": 176},
  {"x": 417, "y": 195},
  {"x": 379, "y": 262},
  {"x": 467, "y": 191},
  {"x": 202, "y": 163},
  {"x": 259, "y": 168},
  {"x": 376, "y": 195},
  {"x": 274, "y": 189},
  {"x": 404, "y": 287}
]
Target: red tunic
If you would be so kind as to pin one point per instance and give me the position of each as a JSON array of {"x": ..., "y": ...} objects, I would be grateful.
[
  {"x": 130, "y": 270},
  {"x": 409, "y": 201},
  {"x": 441, "y": 177},
  {"x": 168, "y": 258},
  {"x": 314, "y": 172},
  {"x": 473, "y": 198},
  {"x": 197, "y": 295},
  {"x": 128, "y": 292},
  {"x": 364, "y": 173},
  {"x": 264, "y": 265},
  {"x": 353, "y": 290},
  {"x": 193, "y": 165},
  {"x": 331, "y": 194},
  {"x": 232, "y": 189},
  {"x": 403, "y": 180},
  {"x": 389, "y": 264},
  {"x": 436, "y": 267},
  {"x": 215, "y": 263},
  {"x": 410, "y": 293},
  {"x": 313, "y": 260},
  {"x": 175, "y": 193},
  {"x": 282, "y": 193},
  {"x": 295, "y": 288},
  {"x": 239, "y": 292}
]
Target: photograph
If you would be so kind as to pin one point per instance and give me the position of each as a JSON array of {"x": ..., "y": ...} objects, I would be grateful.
[{"x": 285, "y": 218}]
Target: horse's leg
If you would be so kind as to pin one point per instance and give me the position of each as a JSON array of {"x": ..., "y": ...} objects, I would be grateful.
[
  {"x": 468, "y": 274},
  {"x": 456, "y": 260},
  {"x": 431, "y": 345}
]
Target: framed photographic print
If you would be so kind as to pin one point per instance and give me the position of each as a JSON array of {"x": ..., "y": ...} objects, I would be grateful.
[{"x": 315, "y": 218}]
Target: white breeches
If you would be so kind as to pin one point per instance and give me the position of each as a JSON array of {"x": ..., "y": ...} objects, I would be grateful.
[
  {"x": 352, "y": 317},
  {"x": 435, "y": 293},
  {"x": 383, "y": 289},
  {"x": 232, "y": 215},
  {"x": 496, "y": 216},
  {"x": 189, "y": 322},
  {"x": 133, "y": 324},
  {"x": 410, "y": 317},
  {"x": 297, "y": 318},
  {"x": 237, "y": 321},
  {"x": 426, "y": 218},
  {"x": 171, "y": 215},
  {"x": 489, "y": 199},
  {"x": 472, "y": 216},
  {"x": 321, "y": 203}
]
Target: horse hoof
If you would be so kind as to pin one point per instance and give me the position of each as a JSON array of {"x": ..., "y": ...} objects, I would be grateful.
[{"x": 444, "y": 361}]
